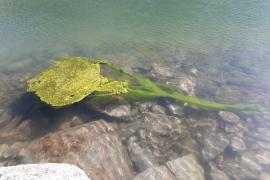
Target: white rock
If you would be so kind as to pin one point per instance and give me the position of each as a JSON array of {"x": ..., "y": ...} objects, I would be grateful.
[{"x": 51, "y": 171}]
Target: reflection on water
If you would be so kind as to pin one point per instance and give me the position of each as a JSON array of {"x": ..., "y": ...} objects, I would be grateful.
[{"x": 214, "y": 49}]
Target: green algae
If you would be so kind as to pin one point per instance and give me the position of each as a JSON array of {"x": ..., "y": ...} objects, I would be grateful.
[{"x": 72, "y": 79}]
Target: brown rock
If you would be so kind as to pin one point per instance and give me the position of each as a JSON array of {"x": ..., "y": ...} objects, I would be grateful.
[{"x": 94, "y": 147}]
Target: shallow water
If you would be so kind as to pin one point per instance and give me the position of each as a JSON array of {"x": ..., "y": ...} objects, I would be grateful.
[{"x": 222, "y": 45}]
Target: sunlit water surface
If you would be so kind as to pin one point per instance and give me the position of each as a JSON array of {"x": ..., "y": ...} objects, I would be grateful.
[{"x": 227, "y": 42}]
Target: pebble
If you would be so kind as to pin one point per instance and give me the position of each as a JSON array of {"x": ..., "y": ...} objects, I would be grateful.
[
  {"x": 229, "y": 117},
  {"x": 217, "y": 174},
  {"x": 237, "y": 144},
  {"x": 119, "y": 111},
  {"x": 4, "y": 151},
  {"x": 214, "y": 145},
  {"x": 263, "y": 158}
]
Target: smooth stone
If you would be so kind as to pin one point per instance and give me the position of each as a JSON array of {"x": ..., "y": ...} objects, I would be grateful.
[
  {"x": 47, "y": 171},
  {"x": 185, "y": 83},
  {"x": 161, "y": 131},
  {"x": 237, "y": 144},
  {"x": 229, "y": 117},
  {"x": 262, "y": 134},
  {"x": 16, "y": 130},
  {"x": 214, "y": 145},
  {"x": 4, "y": 151},
  {"x": 187, "y": 146},
  {"x": 217, "y": 174},
  {"x": 76, "y": 121},
  {"x": 156, "y": 173},
  {"x": 249, "y": 161},
  {"x": 186, "y": 167},
  {"x": 265, "y": 176},
  {"x": 94, "y": 147},
  {"x": 263, "y": 158},
  {"x": 155, "y": 108},
  {"x": 160, "y": 72},
  {"x": 238, "y": 129},
  {"x": 175, "y": 109},
  {"x": 140, "y": 157},
  {"x": 119, "y": 111}
]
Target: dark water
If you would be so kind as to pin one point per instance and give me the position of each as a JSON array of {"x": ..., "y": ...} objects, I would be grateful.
[{"x": 223, "y": 45}]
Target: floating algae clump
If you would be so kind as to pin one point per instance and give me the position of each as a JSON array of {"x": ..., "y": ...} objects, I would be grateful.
[{"x": 71, "y": 80}]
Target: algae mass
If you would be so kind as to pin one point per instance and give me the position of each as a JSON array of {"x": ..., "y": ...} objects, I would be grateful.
[{"x": 72, "y": 79}]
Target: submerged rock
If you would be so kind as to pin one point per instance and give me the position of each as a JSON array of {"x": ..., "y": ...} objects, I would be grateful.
[
  {"x": 161, "y": 72},
  {"x": 15, "y": 129},
  {"x": 229, "y": 117},
  {"x": 241, "y": 167},
  {"x": 119, "y": 111},
  {"x": 140, "y": 157},
  {"x": 94, "y": 147},
  {"x": 156, "y": 173},
  {"x": 214, "y": 145},
  {"x": 263, "y": 158},
  {"x": 183, "y": 168},
  {"x": 186, "y": 167},
  {"x": 185, "y": 83},
  {"x": 4, "y": 151},
  {"x": 217, "y": 174},
  {"x": 47, "y": 171},
  {"x": 238, "y": 144},
  {"x": 161, "y": 132}
]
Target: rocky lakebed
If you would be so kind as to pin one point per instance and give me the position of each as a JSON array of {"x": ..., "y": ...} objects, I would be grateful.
[{"x": 142, "y": 140}]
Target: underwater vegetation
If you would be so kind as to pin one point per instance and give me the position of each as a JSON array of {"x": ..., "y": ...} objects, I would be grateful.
[{"x": 70, "y": 80}]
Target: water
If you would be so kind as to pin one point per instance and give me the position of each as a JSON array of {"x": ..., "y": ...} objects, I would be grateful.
[{"x": 226, "y": 42}]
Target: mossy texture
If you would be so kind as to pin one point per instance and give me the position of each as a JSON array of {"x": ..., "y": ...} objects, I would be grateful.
[{"x": 70, "y": 80}]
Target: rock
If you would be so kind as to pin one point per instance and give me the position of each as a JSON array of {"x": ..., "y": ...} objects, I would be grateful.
[
  {"x": 237, "y": 144},
  {"x": 186, "y": 167},
  {"x": 156, "y": 173},
  {"x": 185, "y": 83},
  {"x": 94, "y": 147},
  {"x": 265, "y": 176},
  {"x": 141, "y": 158},
  {"x": 119, "y": 111},
  {"x": 4, "y": 151},
  {"x": 249, "y": 162},
  {"x": 182, "y": 168},
  {"x": 238, "y": 169},
  {"x": 175, "y": 109},
  {"x": 187, "y": 146},
  {"x": 76, "y": 121},
  {"x": 229, "y": 117},
  {"x": 43, "y": 172},
  {"x": 263, "y": 158},
  {"x": 16, "y": 129},
  {"x": 160, "y": 72},
  {"x": 238, "y": 129},
  {"x": 217, "y": 174},
  {"x": 214, "y": 145},
  {"x": 261, "y": 134},
  {"x": 155, "y": 108},
  {"x": 162, "y": 131}
]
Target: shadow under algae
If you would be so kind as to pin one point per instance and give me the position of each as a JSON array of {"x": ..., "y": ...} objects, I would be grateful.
[{"x": 73, "y": 79}]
